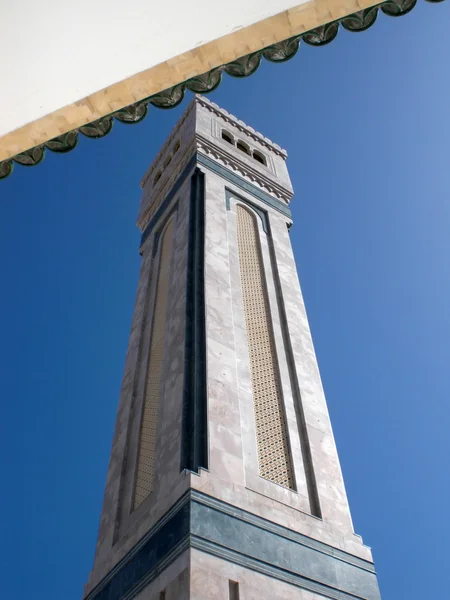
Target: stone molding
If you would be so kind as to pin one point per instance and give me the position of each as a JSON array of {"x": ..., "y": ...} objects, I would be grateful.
[
  {"x": 224, "y": 158},
  {"x": 245, "y": 185},
  {"x": 244, "y": 170},
  {"x": 224, "y": 172},
  {"x": 210, "y": 525},
  {"x": 262, "y": 214}
]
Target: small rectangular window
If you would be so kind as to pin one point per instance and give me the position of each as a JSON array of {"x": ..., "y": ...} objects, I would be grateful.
[
  {"x": 243, "y": 147},
  {"x": 234, "y": 590},
  {"x": 162, "y": 595},
  {"x": 259, "y": 157},
  {"x": 227, "y": 137}
]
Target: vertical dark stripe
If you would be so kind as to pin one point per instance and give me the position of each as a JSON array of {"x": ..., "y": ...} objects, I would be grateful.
[
  {"x": 194, "y": 442},
  {"x": 233, "y": 590},
  {"x": 311, "y": 482}
]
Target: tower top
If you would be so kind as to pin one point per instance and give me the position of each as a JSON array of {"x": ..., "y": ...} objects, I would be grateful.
[
  {"x": 240, "y": 125},
  {"x": 208, "y": 131}
]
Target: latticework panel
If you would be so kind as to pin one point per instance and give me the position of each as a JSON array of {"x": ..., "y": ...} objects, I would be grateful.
[
  {"x": 271, "y": 431},
  {"x": 147, "y": 441}
]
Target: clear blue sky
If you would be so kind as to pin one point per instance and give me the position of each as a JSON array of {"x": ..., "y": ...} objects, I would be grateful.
[{"x": 366, "y": 123}]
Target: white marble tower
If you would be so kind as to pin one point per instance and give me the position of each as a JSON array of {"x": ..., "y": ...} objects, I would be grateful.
[{"x": 224, "y": 481}]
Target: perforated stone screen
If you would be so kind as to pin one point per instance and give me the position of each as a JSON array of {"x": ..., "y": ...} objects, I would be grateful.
[
  {"x": 271, "y": 432},
  {"x": 147, "y": 441}
]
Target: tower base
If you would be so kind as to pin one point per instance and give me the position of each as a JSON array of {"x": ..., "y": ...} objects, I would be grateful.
[{"x": 205, "y": 549}]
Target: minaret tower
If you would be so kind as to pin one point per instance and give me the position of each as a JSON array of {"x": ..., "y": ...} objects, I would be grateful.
[{"x": 224, "y": 482}]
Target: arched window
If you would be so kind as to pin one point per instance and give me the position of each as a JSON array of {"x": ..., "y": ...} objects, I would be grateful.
[
  {"x": 157, "y": 177},
  {"x": 176, "y": 147},
  {"x": 259, "y": 157},
  {"x": 243, "y": 147},
  {"x": 167, "y": 161},
  {"x": 227, "y": 137}
]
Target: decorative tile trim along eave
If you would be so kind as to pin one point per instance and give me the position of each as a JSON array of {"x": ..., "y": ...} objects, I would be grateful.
[
  {"x": 204, "y": 523},
  {"x": 202, "y": 84}
]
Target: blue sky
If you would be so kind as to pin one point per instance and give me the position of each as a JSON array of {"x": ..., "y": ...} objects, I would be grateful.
[{"x": 366, "y": 124}]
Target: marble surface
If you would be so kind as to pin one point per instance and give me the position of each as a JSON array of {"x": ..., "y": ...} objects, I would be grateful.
[
  {"x": 233, "y": 473},
  {"x": 202, "y": 523}
]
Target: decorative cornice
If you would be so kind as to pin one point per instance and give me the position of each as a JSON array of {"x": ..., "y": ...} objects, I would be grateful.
[
  {"x": 242, "y": 169},
  {"x": 240, "y": 182},
  {"x": 209, "y": 149},
  {"x": 151, "y": 220},
  {"x": 202, "y": 84}
]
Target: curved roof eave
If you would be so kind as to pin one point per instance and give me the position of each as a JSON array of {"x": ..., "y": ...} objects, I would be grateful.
[{"x": 209, "y": 81}]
